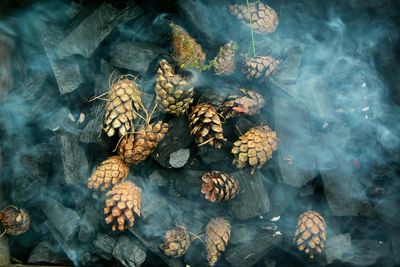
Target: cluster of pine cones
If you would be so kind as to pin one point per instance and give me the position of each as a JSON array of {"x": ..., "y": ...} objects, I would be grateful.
[{"x": 175, "y": 96}]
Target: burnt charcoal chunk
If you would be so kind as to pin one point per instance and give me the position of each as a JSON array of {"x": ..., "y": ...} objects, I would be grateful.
[
  {"x": 281, "y": 197},
  {"x": 104, "y": 245},
  {"x": 187, "y": 182},
  {"x": 196, "y": 254},
  {"x": 252, "y": 200},
  {"x": 134, "y": 56},
  {"x": 212, "y": 155},
  {"x": 66, "y": 221},
  {"x": 93, "y": 28},
  {"x": 4, "y": 252},
  {"x": 338, "y": 248},
  {"x": 128, "y": 252},
  {"x": 368, "y": 252},
  {"x": 46, "y": 252}
]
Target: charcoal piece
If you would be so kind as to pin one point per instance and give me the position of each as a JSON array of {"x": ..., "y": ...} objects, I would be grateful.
[
  {"x": 249, "y": 253},
  {"x": 242, "y": 233},
  {"x": 395, "y": 238},
  {"x": 73, "y": 158},
  {"x": 33, "y": 85},
  {"x": 67, "y": 70},
  {"x": 253, "y": 199},
  {"x": 59, "y": 120},
  {"x": 104, "y": 245},
  {"x": 338, "y": 248},
  {"x": 66, "y": 221},
  {"x": 178, "y": 137},
  {"x": 134, "y": 56},
  {"x": 6, "y": 79},
  {"x": 93, "y": 130},
  {"x": 211, "y": 155},
  {"x": 269, "y": 263},
  {"x": 296, "y": 165},
  {"x": 158, "y": 179},
  {"x": 92, "y": 27},
  {"x": 179, "y": 158},
  {"x": 30, "y": 169},
  {"x": 153, "y": 246},
  {"x": 46, "y": 252},
  {"x": 368, "y": 252},
  {"x": 90, "y": 221},
  {"x": 196, "y": 254},
  {"x": 281, "y": 197},
  {"x": 4, "y": 252},
  {"x": 129, "y": 252},
  {"x": 187, "y": 183}
]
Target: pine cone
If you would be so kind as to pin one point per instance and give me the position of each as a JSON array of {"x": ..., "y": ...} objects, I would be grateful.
[
  {"x": 122, "y": 201},
  {"x": 206, "y": 125},
  {"x": 173, "y": 93},
  {"x": 187, "y": 53},
  {"x": 124, "y": 99},
  {"x": 248, "y": 102},
  {"x": 218, "y": 186},
  {"x": 136, "y": 148},
  {"x": 110, "y": 172},
  {"x": 176, "y": 242},
  {"x": 310, "y": 234},
  {"x": 218, "y": 232},
  {"x": 260, "y": 67},
  {"x": 15, "y": 221},
  {"x": 263, "y": 18},
  {"x": 224, "y": 63},
  {"x": 255, "y": 147}
]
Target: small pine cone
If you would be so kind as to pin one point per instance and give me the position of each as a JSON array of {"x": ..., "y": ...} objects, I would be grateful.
[
  {"x": 224, "y": 62},
  {"x": 310, "y": 234},
  {"x": 124, "y": 99},
  {"x": 218, "y": 186},
  {"x": 173, "y": 93},
  {"x": 255, "y": 147},
  {"x": 110, "y": 172},
  {"x": 248, "y": 102},
  {"x": 136, "y": 148},
  {"x": 176, "y": 242},
  {"x": 122, "y": 202},
  {"x": 187, "y": 53},
  {"x": 263, "y": 18},
  {"x": 218, "y": 232},
  {"x": 15, "y": 221},
  {"x": 260, "y": 67},
  {"x": 206, "y": 125}
]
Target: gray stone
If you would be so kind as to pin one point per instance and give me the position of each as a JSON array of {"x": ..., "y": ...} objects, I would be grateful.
[
  {"x": 252, "y": 200},
  {"x": 179, "y": 158},
  {"x": 93, "y": 28},
  {"x": 128, "y": 252},
  {"x": 134, "y": 56},
  {"x": 66, "y": 221},
  {"x": 104, "y": 245},
  {"x": 338, "y": 248}
]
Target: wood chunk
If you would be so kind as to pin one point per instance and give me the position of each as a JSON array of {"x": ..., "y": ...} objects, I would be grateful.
[{"x": 338, "y": 248}]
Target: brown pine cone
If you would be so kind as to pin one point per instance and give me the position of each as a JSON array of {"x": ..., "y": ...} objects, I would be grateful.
[
  {"x": 260, "y": 67},
  {"x": 15, "y": 221},
  {"x": 173, "y": 93},
  {"x": 218, "y": 186},
  {"x": 176, "y": 242},
  {"x": 218, "y": 232},
  {"x": 224, "y": 63},
  {"x": 187, "y": 53},
  {"x": 310, "y": 234},
  {"x": 206, "y": 125},
  {"x": 263, "y": 18},
  {"x": 249, "y": 102},
  {"x": 255, "y": 147},
  {"x": 124, "y": 99},
  {"x": 122, "y": 202},
  {"x": 136, "y": 148},
  {"x": 110, "y": 172}
]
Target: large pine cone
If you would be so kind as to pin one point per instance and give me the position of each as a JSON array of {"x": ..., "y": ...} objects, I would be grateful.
[
  {"x": 187, "y": 53},
  {"x": 135, "y": 148},
  {"x": 263, "y": 18},
  {"x": 176, "y": 242},
  {"x": 225, "y": 63},
  {"x": 218, "y": 186},
  {"x": 122, "y": 201},
  {"x": 218, "y": 233},
  {"x": 173, "y": 93},
  {"x": 206, "y": 125},
  {"x": 310, "y": 234},
  {"x": 260, "y": 67},
  {"x": 255, "y": 147},
  {"x": 110, "y": 172},
  {"x": 15, "y": 221},
  {"x": 248, "y": 102},
  {"x": 124, "y": 99}
]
